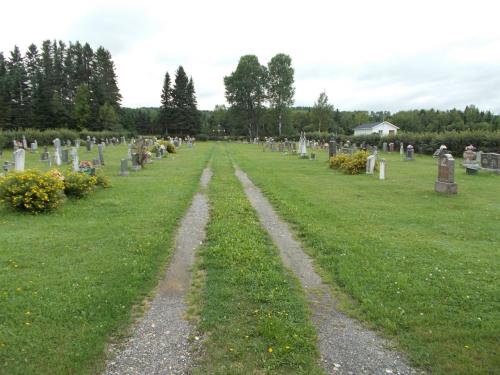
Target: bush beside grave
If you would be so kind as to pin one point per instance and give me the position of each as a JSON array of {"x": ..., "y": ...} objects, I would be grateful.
[
  {"x": 78, "y": 184},
  {"x": 350, "y": 164},
  {"x": 32, "y": 191}
]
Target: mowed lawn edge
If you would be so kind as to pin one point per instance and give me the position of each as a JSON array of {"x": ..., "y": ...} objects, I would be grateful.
[
  {"x": 69, "y": 280},
  {"x": 420, "y": 267},
  {"x": 251, "y": 311}
]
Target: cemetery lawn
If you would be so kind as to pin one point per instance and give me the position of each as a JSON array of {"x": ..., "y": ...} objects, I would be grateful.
[
  {"x": 419, "y": 267},
  {"x": 251, "y": 310},
  {"x": 70, "y": 279}
]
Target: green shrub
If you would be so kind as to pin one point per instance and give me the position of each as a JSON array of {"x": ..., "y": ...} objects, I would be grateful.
[
  {"x": 351, "y": 164},
  {"x": 337, "y": 161},
  {"x": 78, "y": 184},
  {"x": 32, "y": 191},
  {"x": 47, "y": 136},
  {"x": 102, "y": 180},
  {"x": 202, "y": 137},
  {"x": 428, "y": 142}
]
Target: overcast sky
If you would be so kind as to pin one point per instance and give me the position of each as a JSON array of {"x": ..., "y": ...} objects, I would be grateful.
[{"x": 366, "y": 55}]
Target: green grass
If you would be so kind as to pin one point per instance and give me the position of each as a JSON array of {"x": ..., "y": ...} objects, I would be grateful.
[
  {"x": 252, "y": 311},
  {"x": 69, "y": 280},
  {"x": 419, "y": 266}
]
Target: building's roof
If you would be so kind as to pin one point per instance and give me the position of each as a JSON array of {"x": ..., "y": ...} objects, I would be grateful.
[{"x": 371, "y": 125}]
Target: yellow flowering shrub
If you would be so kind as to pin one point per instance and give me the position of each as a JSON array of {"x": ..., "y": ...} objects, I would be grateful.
[
  {"x": 350, "y": 164},
  {"x": 32, "y": 191},
  {"x": 78, "y": 184}
]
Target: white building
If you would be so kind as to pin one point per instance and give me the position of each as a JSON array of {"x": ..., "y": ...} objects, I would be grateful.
[{"x": 381, "y": 128}]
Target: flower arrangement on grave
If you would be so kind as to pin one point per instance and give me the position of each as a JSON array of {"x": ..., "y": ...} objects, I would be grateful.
[
  {"x": 86, "y": 166},
  {"x": 32, "y": 191}
]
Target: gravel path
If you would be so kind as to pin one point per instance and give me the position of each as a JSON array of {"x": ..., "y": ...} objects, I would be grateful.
[
  {"x": 159, "y": 343},
  {"x": 346, "y": 346}
]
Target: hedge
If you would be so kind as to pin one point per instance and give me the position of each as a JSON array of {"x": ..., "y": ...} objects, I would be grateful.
[
  {"x": 45, "y": 138},
  {"x": 425, "y": 143}
]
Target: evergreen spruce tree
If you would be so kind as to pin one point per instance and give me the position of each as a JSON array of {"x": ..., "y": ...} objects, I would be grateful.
[
  {"x": 32, "y": 63},
  {"x": 18, "y": 89},
  {"x": 82, "y": 111},
  {"x": 104, "y": 88},
  {"x": 43, "y": 94},
  {"x": 165, "y": 117},
  {"x": 194, "y": 114},
  {"x": 180, "y": 102},
  {"x": 4, "y": 93}
]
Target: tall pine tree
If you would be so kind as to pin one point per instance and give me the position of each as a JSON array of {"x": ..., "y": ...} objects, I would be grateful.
[
  {"x": 18, "y": 89},
  {"x": 165, "y": 118}
]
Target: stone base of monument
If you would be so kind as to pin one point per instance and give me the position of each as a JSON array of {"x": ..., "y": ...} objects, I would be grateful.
[
  {"x": 446, "y": 187},
  {"x": 136, "y": 167},
  {"x": 471, "y": 169}
]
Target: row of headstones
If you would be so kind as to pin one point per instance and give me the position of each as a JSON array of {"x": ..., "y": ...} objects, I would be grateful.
[{"x": 348, "y": 149}]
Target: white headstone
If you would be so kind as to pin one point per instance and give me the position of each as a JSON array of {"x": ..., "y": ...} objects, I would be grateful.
[
  {"x": 74, "y": 156},
  {"x": 303, "y": 145},
  {"x": 57, "y": 158},
  {"x": 19, "y": 157},
  {"x": 401, "y": 149},
  {"x": 25, "y": 144},
  {"x": 382, "y": 169},
  {"x": 370, "y": 164}
]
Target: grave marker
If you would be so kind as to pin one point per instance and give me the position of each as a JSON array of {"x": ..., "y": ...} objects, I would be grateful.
[
  {"x": 370, "y": 164},
  {"x": 74, "y": 156},
  {"x": 124, "y": 167},
  {"x": 100, "y": 148},
  {"x": 19, "y": 159},
  {"x": 409, "y": 153},
  {"x": 445, "y": 183},
  {"x": 381, "y": 175}
]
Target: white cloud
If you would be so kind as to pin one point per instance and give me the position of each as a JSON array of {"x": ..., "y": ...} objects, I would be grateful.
[{"x": 373, "y": 55}]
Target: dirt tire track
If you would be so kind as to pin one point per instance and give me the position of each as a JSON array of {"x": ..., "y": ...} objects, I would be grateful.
[
  {"x": 346, "y": 346},
  {"x": 159, "y": 343}
]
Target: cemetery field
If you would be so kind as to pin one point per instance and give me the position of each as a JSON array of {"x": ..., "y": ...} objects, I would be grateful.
[
  {"x": 421, "y": 268},
  {"x": 70, "y": 279},
  {"x": 250, "y": 309}
]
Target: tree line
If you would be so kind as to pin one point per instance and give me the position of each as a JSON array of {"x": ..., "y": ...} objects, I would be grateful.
[{"x": 59, "y": 86}]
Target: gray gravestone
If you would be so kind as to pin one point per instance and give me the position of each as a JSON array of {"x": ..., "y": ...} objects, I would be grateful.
[
  {"x": 409, "y": 153},
  {"x": 135, "y": 162},
  {"x": 65, "y": 156},
  {"x": 33, "y": 148},
  {"x": 401, "y": 149},
  {"x": 446, "y": 175},
  {"x": 391, "y": 147},
  {"x": 124, "y": 167},
  {"x": 100, "y": 148},
  {"x": 490, "y": 161},
  {"x": 45, "y": 154},
  {"x": 332, "y": 147},
  {"x": 384, "y": 147},
  {"x": 74, "y": 157}
]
